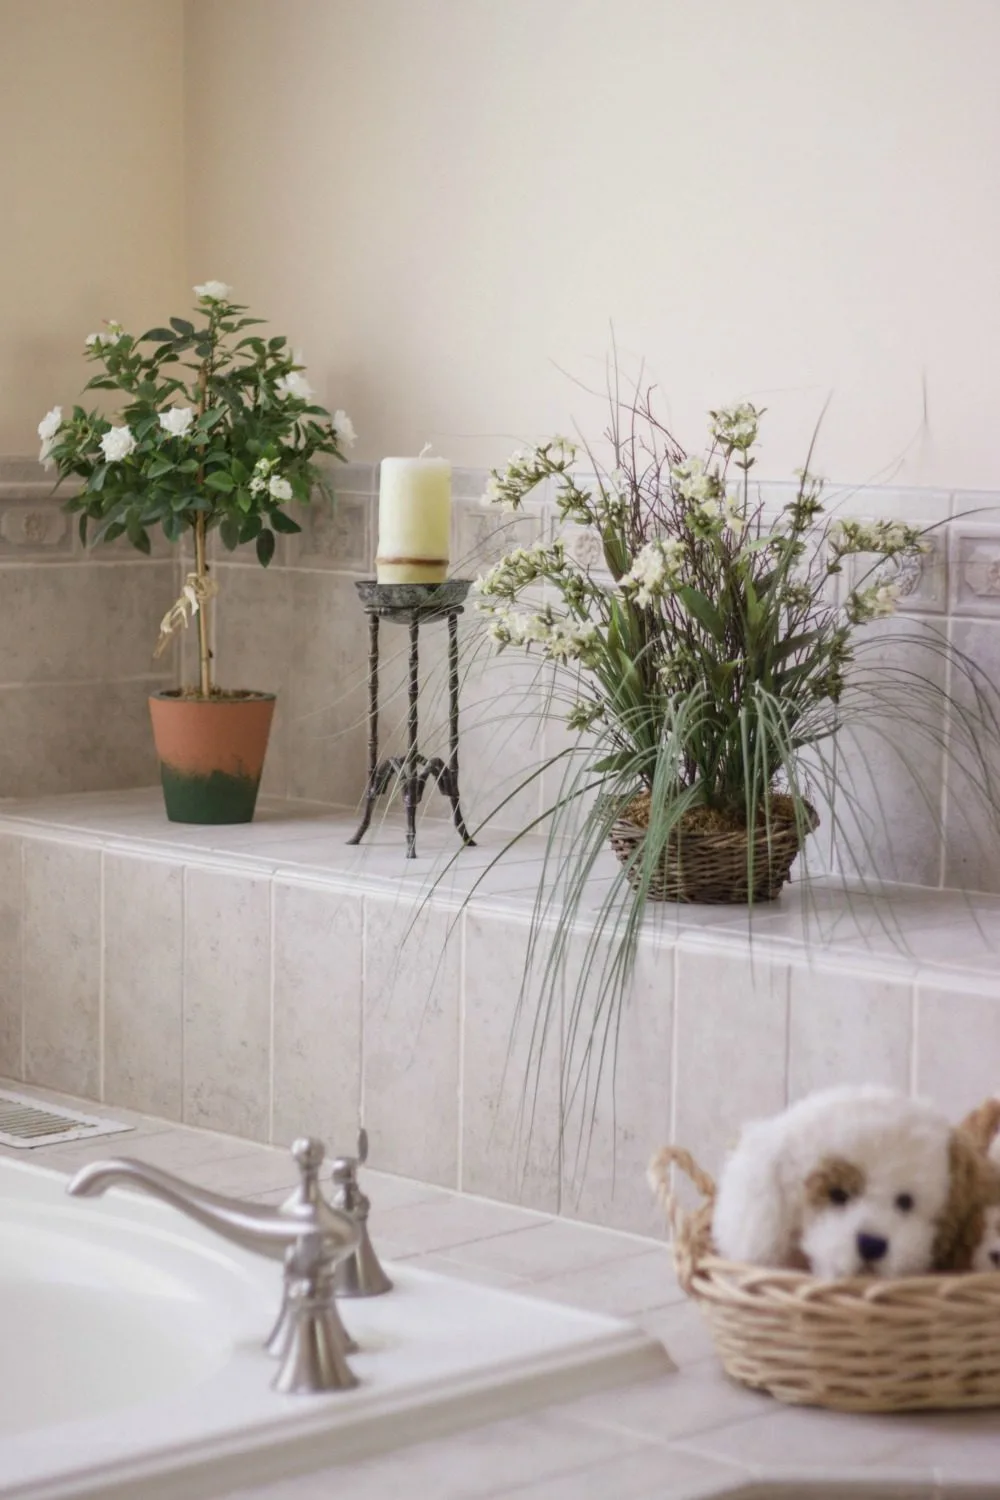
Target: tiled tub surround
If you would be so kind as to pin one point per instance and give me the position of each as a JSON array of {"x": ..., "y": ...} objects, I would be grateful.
[
  {"x": 78, "y": 630},
  {"x": 689, "y": 1435},
  {"x": 269, "y": 979}
]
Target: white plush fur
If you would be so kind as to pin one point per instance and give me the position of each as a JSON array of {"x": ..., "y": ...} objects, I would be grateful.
[
  {"x": 987, "y": 1255},
  {"x": 766, "y": 1214}
]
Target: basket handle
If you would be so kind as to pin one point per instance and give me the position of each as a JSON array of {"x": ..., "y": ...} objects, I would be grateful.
[{"x": 690, "y": 1229}]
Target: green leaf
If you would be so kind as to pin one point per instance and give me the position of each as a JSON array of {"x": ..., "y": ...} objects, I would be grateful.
[
  {"x": 703, "y": 611},
  {"x": 265, "y": 547},
  {"x": 183, "y": 327},
  {"x": 230, "y": 533},
  {"x": 203, "y": 350},
  {"x": 157, "y": 336},
  {"x": 159, "y": 467},
  {"x": 251, "y": 528},
  {"x": 82, "y": 528},
  {"x": 276, "y": 343},
  {"x": 220, "y": 481},
  {"x": 281, "y": 522}
]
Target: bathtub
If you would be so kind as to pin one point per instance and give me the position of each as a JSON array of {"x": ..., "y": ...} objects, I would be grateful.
[{"x": 131, "y": 1362}]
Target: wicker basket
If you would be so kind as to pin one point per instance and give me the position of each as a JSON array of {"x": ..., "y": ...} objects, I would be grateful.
[
  {"x": 915, "y": 1344},
  {"x": 712, "y": 865}
]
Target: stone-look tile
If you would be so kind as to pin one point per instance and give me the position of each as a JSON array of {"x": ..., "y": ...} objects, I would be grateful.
[
  {"x": 890, "y": 764},
  {"x": 62, "y": 966},
  {"x": 510, "y": 1095},
  {"x": 482, "y": 534},
  {"x": 921, "y": 582},
  {"x": 730, "y": 1041},
  {"x": 33, "y": 529},
  {"x": 227, "y": 1002},
  {"x": 651, "y": 1472},
  {"x": 972, "y": 827},
  {"x": 326, "y": 693},
  {"x": 449, "y": 1221},
  {"x": 502, "y": 728},
  {"x": 958, "y": 1046},
  {"x": 793, "y": 1440},
  {"x": 675, "y": 1406},
  {"x": 317, "y": 1015},
  {"x": 681, "y": 1328},
  {"x": 847, "y": 1027},
  {"x": 76, "y": 737},
  {"x": 622, "y": 1288},
  {"x": 143, "y": 984},
  {"x": 336, "y": 534},
  {"x": 551, "y": 1248},
  {"x": 976, "y": 570},
  {"x": 410, "y": 1087},
  {"x": 11, "y": 917},
  {"x": 622, "y": 1110},
  {"x": 80, "y": 622},
  {"x": 253, "y": 649}
]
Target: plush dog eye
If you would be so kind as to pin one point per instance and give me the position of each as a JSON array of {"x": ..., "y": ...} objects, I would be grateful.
[
  {"x": 904, "y": 1202},
  {"x": 839, "y": 1195}
]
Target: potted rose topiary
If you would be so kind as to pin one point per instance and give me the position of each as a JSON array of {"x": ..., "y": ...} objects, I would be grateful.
[{"x": 218, "y": 430}]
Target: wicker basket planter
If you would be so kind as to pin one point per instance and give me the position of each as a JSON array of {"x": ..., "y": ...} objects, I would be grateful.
[
  {"x": 712, "y": 866},
  {"x": 914, "y": 1344}
]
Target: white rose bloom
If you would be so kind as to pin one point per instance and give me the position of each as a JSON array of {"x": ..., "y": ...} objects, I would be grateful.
[
  {"x": 294, "y": 384},
  {"x": 344, "y": 428},
  {"x": 279, "y": 489},
  {"x": 177, "y": 420},
  {"x": 213, "y": 291},
  {"x": 117, "y": 444},
  {"x": 50, "y": 423}
]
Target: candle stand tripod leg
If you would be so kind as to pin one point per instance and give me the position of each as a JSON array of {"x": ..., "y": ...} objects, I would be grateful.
[
  {"x": 452, "y": 774},
  {"x": 371, "y": 788},
  {"x": 411, "y": 780}
]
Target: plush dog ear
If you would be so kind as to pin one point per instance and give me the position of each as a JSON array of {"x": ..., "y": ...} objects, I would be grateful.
[
  {"x": 752, "y": 1220},
  {"x": 974, "y": 1187},
  {"x": 981, "y": 1125}
]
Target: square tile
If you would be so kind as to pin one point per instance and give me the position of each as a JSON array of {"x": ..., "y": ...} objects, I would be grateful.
[
  {"x": 143, "y": 984},
  {"x": 227, "y": 1002},
  {"x": 62, "y": 966},
  {"x": 11, "y": 918},
  {"x": 317, "y": 1015},
  {"x": 410, "y": 1047},
  {"x": 729, "y": 1047},
  {"x": 976, "y": 569},
  {"x": 972, "y": 794},
  {"x": 847, "y": 1027},
  {"x": 958, "y": 1046}
]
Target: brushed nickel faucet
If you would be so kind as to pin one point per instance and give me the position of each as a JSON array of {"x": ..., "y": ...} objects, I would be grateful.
[
  {"x": 359, "y": 1274},
  {"x": 309, "y": 1234}
]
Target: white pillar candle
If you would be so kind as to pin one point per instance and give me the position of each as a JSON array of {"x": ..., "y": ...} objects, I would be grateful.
[{"x": 414, "y": 520}]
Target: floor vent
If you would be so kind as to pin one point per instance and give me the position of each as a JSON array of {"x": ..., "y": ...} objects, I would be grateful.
[{"x": 26, "y": 1122}]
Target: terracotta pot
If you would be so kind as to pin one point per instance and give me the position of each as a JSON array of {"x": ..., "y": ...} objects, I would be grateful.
[{"x": 211, "y": 754}]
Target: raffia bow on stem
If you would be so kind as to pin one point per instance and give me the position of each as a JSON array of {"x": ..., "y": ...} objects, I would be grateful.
[{"x": 194, "y": 595}]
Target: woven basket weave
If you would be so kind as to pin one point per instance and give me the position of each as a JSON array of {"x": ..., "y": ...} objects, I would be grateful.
[
  {"x": 863, "y": 1344},
  {"x": 712, "y": 866}
]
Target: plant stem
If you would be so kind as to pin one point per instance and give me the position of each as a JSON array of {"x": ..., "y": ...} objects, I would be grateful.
[{"x": 201, "y": 569}]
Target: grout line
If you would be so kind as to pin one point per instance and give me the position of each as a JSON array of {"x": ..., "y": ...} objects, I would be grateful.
[
  {"x": 674, "y": 1038},
  {"x": 460, "y": 1123},
  {"x": 943, "y": 794},
  {"x": 184, "y": 913},
  {"x": 23, "y": 848},
  {"x": 363, "y": 1008},
  {"x": 270, "y": 1023},
  {"x": 101, "y": 981},
  {"x": 914, "y": 1058},
  {"x": 788, "y": 1032}
]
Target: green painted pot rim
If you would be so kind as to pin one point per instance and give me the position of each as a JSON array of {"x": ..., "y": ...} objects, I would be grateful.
[{"x": 174, "y": 695}]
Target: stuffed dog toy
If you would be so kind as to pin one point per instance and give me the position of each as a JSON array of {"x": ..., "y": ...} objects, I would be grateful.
[
  {"x": 982, "y": 1128},
  {"x": 855, "y": 1181}
]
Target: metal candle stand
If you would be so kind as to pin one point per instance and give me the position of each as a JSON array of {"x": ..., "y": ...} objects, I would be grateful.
[{"x": 411, "y": 604}]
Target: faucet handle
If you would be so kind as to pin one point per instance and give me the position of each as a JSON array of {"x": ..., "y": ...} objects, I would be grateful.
[
  {"x": 360, "y": 1273},
  {"x": 309, "y": 1152}
]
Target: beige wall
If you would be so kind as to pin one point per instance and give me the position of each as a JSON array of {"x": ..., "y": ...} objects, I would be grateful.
[
  {"x": 91, "y": 187},
  {"x": 444, "y": 200}
]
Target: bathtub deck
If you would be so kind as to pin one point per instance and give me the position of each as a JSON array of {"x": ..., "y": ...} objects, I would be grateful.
[{"x": 678, "y": 1437}]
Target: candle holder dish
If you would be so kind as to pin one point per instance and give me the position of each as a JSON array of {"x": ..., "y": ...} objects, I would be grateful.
[{"x": 412, "y": 604}]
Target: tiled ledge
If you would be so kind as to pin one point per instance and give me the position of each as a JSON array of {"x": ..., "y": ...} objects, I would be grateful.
[
  {"x": 270, "y": 979},
  {"x": 690, "y": 1435}
]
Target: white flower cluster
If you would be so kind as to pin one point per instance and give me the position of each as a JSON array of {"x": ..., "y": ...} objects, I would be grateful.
[
  {"x": 876, "y": 603},
  {"x": 111, "y": 335},
  {"x": 213, "y": 291},
  {"x": 560, "y": 640},
  {"x": 736, "y": 426},
  {"x": 343, "y": 429},
  {"x": 508, "y": 487},
  {"x": 523, "y": 566},
  {"x": 887, "y": 538},
  {"x": 294, "y": 385},
  {"x": 48, "y": 429},
  {"x": 117, "y": 443},
  {"x": 264, "y": 479},
  {"x": 655, "y": 570},
  {"x": 176, "y": 420}
]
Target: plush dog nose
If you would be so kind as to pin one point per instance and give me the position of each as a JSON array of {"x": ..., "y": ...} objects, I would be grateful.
[{"x": 872, "y": 1246}]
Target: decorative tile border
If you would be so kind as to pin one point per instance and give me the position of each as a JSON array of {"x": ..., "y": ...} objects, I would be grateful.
[{"x": 976, "y": 571}]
